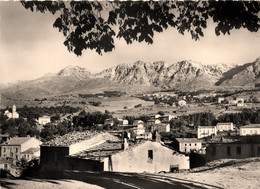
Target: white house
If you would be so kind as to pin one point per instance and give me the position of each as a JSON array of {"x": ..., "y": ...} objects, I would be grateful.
[
  {"x": 187, "y": 145},
  {"x": 252, "y": 129},
  {"x": 205, "y": 131},
  {"x": 44, "y": 120},
  {"x": 225, "y": 126}
]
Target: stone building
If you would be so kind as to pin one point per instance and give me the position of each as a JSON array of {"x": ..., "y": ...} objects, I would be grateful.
[
  {"x": 55, "y": 153},
  {"x": 144, "y": 156},
  {"x": 16, "y": 148},
  {"x": 233, "y": 148}
]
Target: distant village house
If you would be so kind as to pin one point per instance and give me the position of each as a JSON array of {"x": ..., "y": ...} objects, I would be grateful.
[
  {"x": 206, "y": 131},
  {"x": 252, "y": 129}
]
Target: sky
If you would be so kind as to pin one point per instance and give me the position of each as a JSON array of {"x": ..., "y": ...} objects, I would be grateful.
[{"x": 30, "y": 47}]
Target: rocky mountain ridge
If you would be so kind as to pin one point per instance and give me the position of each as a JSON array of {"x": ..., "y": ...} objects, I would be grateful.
[{"x": 183, "y": 75}]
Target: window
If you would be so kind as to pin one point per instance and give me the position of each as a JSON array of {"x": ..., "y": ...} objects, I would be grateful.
[
  {"x": 16, "y": 157},
  {"x": 228, "y": 150},
  {"x": 185, "y": 144},
  {"x": 4, "y": 150},
  {"x": 16, "y": 150},
  {"x": 239, "y": 150},
  {"x": 190, "y": 144},
  {"x": 5, "y": 166},
  {"x": 150, "y": 154},
  {"x": 11, "y": 154},
  {"x": 195, "y": 144}
]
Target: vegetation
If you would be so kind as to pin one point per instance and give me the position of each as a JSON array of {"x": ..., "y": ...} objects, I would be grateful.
[
  {"x": 18, "y": 127},
  {"x": 89, "y": 120},
  {"x": 94, "y": 24},
  {"x": 32, "y": 113}
]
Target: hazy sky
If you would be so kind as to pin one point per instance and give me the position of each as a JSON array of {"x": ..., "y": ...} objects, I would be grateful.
[{"x": 30, "y": 47}]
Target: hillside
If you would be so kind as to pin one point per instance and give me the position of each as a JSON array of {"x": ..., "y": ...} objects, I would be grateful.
[{"x": 244, "y": 75}]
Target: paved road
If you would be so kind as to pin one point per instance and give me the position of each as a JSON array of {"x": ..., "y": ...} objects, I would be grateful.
[{"x": 110, "y": 181}]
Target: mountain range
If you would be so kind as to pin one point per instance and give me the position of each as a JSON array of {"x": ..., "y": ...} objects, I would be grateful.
[{"x": 138, "y": 76}]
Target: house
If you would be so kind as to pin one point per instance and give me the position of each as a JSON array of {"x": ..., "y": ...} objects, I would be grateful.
[
  {"x": 55, "y": 153},
  {"x": 205, "y": 131},
  {"x": 44, "y": 120},
  {"x": 182, "y": 103},
  {"x": 139, "y": 129},
  {"x": 220, "y": 99},
  {"x": 233, "y": 148},
  {"x": 187, "y": 145},
  {"x": 15, "y": 148},
  {"x": 13, "y": 114},
  {"x": 252, "y": 129},
  {"x": 144, "y": 156},
  {"x": 162, "y": 127},
  {"x": 225, "y": 126}
]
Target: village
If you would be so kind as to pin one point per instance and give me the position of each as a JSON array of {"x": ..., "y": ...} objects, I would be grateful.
[{"x": 153, "y": 143}]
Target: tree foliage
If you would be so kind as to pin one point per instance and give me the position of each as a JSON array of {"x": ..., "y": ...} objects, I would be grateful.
[{"x": 94, "y": 24}]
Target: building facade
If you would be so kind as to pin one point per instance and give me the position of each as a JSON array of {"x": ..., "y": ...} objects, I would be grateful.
[
  {"x": 44, "y": 120},
  {"x": 148, "y": 156},
  {"x": 14, "y": 148},
  {"x": 252, "y": 129},
  {"x": 205, "y": 131},
  {"x": 245, "y": 147},
  {"x": 187, "y": 145},
  {"x": 225, "y": 126}
]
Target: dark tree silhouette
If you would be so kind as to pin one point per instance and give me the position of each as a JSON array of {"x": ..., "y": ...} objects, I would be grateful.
[{"x": 95, "y": 24}]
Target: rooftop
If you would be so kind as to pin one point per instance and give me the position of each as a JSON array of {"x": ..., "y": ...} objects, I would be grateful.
[
  {"x": 76, "y": 137},
  {"x": 30, "y": 151},
  {"x": 251, "y": 126},
  {"x": 206, "y": 126},
  {"x": 227, "y": 123},
  {"x": 236, "y": 139},
  {"x": 188, "y": 140},
  {"x": 106, "y": 149},
  {"x": 100, "y": 151},
  {"x": 17, "y": 140}
]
